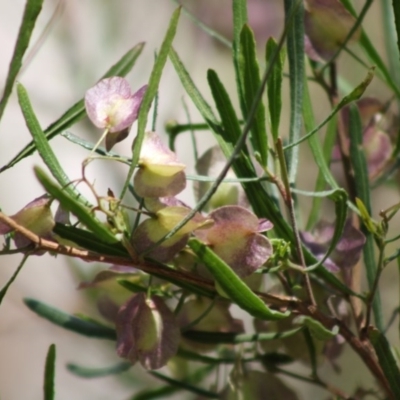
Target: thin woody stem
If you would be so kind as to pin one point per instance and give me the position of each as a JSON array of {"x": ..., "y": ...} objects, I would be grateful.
[{"x": 362, "y": 347}]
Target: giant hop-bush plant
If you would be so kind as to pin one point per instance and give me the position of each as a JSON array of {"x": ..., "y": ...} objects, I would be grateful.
[{"x": 175, "y": 270}]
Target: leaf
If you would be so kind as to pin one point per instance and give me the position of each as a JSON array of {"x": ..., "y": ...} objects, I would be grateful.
[
  {"x": 42, "y": 144},
  {"x": 131, "y": 286},
  {"x": 295, "y": 51},
  {"x": 186, "y": 386},
  {"x": 80, "y": 211},
  {"x": 88, "y": 372},
  {"x": 235, "y": 338},
  {"x": 230, "y": 121},
  {"x": 386, "y": 359},
  {"x": 361, "y": 182},
  {"x": 354, "y": 95},
  {"x": 150, "y": 94},
  {"x": 70, "y": 322},
  {"x": 312, "y": 351},
  {"x": 371, "y": 52},
  {"x": 262, "y": 203},
  {"x": 252, "y": 82},
  {"x": 157, "y": 393},
  {"x": 232, "y": 285},
  {"x": 77, "y": 111},
  {"x": 197, "y": 376},
  {"x": 322, "y": 157},
  {"x": 317, "y": 330},
  {"x": 239, "y": 8},
  {"x": 5, "y": 288},
  {"x": 187, "y": 82},
  {"x": 89, "y": 241},
  {"x": 31, "y": 12},
  {"x": 49, "y": 373},
  {"x": 274, "y": 88},
  {"x": 391, "y": 22}
]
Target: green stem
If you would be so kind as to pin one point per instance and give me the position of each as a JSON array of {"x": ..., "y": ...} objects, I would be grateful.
[
  {"x": 290, "y": 205},
  {"x": 370, "y": 298}
]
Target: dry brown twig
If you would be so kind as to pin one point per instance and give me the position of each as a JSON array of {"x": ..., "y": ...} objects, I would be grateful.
[{"x": 362, "y": 347}]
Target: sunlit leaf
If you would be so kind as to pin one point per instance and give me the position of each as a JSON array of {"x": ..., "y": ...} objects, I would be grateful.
[
  {"x": 31, "y": 13},
  {"x": 49, "y": 374}
]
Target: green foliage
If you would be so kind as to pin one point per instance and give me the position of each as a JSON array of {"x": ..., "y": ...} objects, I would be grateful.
[
  {"x": 232, "y": 285},
  {"x": 76, "y": 112},
  {"x": 49, "y": 374},
  {"x": 70, "y": 322},
  {"x": 172, "y": 257},
  {"x": 31, "y": 13}
]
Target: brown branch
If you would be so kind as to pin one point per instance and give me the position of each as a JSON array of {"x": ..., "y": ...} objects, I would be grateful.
[{"x": 362, "y": 347}]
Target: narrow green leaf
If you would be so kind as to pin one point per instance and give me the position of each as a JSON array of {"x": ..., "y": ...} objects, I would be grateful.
[
  {"x": 70, "y": 322},
  {"x": 49, "y": 373},
  {"x": 89, "y": 241},
  {"x": 274, "y": 88},
  {"x": 317, "y": 329},
  {"x": 270, "y": 359},
  {"x": 232, "y": 285},
  {"x": 396, "y": 12},
  {"x": 239, "y": 8},
  {"x": 42, "y": 145},
  {"x": 70, "y": 204},
  {"x": 157, "y": 393},
  {"x": 150, "y": 94},
  {"x": 252, "y": 82},
  {"x": 131, "y": 286},
  {"x": 88, "y": 372},
  {"x": 354, "y": 95},
  {"x": 196, "y": 377},
  {"x": 235, "y": 338},
  {"x": 295, "y": 50},
  {"x": 391, "y": 22},
  {"x": 230, "y": 121},
  {"x": 262, "y": 203},
  {"x": 370, "y": 50},
  {"x": 322, "y": 157},
  {"x": 361, "y": 181},
  {"x": 196, "y": 357},
  {"x": 313, "y": 141},
  {"x": 77, "y": 111},
  {"x": 31, "y": 12},
  {"x": 186, "y": 386},
  {"x": 191, "y": 89},
  {"x": 312, "y": 352},
  {"x": 386, "y": 360},
  {"x": 5, "y": 288}
]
